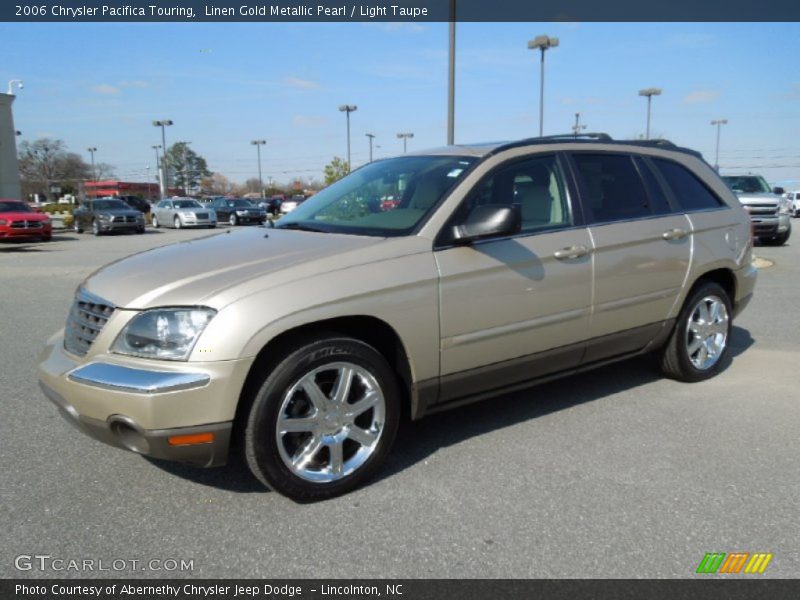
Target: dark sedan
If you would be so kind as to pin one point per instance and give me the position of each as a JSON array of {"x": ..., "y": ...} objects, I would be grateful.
[
  {"x": 237, "y": 210},
  {"x": 106, "y": 215}
]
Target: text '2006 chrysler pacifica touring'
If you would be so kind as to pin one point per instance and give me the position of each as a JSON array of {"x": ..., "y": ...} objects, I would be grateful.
[{"x": 300, "y": 346}]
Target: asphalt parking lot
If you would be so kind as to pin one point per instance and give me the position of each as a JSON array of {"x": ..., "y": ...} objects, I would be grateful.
[{"x": 614, "y": 473}]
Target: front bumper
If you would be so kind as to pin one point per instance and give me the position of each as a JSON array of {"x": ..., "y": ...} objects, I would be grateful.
[
  {"x": 195, "y": 222},
  {"x": 139, "y": 405},
  {"x": 27, "y": 233},
  {"x": 123, "y": 432},
  {"x": 770, "y": 226},
  {"x": 120, "y": 226}
]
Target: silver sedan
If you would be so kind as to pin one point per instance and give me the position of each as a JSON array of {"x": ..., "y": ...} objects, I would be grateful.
[{"x": 183, "y": 212}]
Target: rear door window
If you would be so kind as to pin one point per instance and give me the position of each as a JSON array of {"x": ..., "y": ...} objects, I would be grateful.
[{"x": 689, "y": 192}]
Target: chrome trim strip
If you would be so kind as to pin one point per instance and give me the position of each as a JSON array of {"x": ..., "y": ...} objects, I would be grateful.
[
  {"x": 484, "y": 334},
  {"x": 84, "y": 296},
  {"x": 137, "y": 381},
  {"x": 640, "y": 299}
]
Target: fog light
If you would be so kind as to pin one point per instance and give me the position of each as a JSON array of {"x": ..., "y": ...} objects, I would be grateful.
[{"x": 191, "y": 439}]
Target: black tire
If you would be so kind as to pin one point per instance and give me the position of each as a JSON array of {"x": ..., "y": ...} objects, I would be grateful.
[
  {"x": 76, "y": 227},
  {"x": 96, "y": 228},
  {"x": 261, "y": 439},
  {"x": 233, "y": 220},
  {"x": 778, "y": 240},
  {"x": 675, "y": 359}
]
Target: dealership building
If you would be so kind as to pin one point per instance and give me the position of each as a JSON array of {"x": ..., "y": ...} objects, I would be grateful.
[{"x": 112, "y": 187}]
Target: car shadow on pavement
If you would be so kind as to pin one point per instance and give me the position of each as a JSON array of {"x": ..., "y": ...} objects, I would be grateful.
[
  {"x": 418, "y": 440},
  {"x": 233, "y": 477}
]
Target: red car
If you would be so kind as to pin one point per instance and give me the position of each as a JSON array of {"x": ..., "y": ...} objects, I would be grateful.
[{"x": 18, "y": 221}]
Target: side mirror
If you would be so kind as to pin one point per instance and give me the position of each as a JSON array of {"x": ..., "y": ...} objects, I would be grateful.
[
  {"x": 489, "y": 220},
  {"x": 779, "y": 191}
]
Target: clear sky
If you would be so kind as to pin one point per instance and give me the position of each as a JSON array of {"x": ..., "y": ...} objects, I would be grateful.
[{"x": 226, "y": 84}]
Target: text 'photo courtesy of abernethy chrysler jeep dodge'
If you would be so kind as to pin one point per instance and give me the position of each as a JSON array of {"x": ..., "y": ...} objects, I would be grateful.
[{"x": 302, "y": 346}]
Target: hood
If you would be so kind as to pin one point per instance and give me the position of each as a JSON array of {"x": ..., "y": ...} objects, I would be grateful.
[
  {"x": 758, "y": 198},
  {"x": 119, "y": 212},
  {"x": 197, "y": 272},
  {"x": 24, "y": 216}
]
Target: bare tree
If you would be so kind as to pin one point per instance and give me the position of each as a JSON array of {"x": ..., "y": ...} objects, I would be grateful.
[{"x": 45, "y": 163}]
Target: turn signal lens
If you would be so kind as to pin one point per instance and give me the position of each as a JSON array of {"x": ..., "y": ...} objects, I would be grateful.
[{"x": 191, "y": 439}]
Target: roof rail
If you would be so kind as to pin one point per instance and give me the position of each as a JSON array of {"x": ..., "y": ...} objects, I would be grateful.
[
  {"x": 656, "y": 142},
  {"x": 579, "y": 136},
  {"x": 600, "y": 138}
]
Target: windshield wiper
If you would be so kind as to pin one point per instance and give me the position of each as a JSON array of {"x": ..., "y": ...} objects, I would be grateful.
[{"x": 300, "y": 227}]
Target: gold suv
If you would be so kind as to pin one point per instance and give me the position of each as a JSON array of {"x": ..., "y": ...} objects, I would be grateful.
[{"x": 301, "y": 346}]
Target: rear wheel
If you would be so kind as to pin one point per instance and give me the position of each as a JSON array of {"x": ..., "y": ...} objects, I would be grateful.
[
  {"x": 699, "y": 342},
  {"x": 324, "y": 419}
]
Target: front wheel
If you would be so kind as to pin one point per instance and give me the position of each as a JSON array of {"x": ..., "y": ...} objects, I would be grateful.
[
  {"x": 324, "y": 419},
  {"x": 699, "y": 342},
  {"x": 178, "y": 224},
  {"x": 233, "y": 220},
  {"x": 96, "y": 227},
  {"x": 76, "y": 227},
  {"x": 156, "y": 224},
  {"x": 778, "y": 240}
]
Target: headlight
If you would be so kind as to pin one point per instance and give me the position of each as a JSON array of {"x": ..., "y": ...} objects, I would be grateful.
[
  {"x": 164, "y": 333},
  {"x": 785, "y": 206},
  {"x": 104, "y": 217},
  {"x": 46, "y": 221},
  {"x": 241, "y": 212},
  {"x": 3, "y": 222},
  {"x": 190, "y": 215}
]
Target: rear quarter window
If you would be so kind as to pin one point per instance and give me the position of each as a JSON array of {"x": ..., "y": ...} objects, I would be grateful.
[{"x": 689, "y": 192}]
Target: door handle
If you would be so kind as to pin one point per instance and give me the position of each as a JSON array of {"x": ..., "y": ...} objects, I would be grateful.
[
  {"x": 674, "y": 234},
  {"x": 571, "y": 252}
]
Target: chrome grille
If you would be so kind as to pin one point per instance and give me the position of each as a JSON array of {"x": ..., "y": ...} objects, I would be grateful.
[
  {"x": 201, "y": 215},
  {"x": 762, "y": 210},
  {"x": 85, "y": 321},
  {"x": 26, "y": 224}
]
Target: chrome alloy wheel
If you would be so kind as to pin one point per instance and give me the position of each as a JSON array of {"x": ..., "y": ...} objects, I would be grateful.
[
  {"x": 330, "y": 422},
  {"x": 707, "y": 332}
]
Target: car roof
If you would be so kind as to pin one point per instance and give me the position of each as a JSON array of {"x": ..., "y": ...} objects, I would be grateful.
[{"x": 583, "y": 141}]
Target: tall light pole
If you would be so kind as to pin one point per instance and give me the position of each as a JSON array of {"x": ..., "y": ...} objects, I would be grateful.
[
  {"x": 186, "y": 170},
  {"x": 158, "y": 163},
  {"x": 258, "y": 144},
  {"x": 649, "y": 93},
  {"x": 164, "y": 171},
  {"x": 719, "y": 123},
  {"x": 348, "y": 108},
  {"x": 405, "y": 137},
  {"x": 371, "y": 137},
  {"x": 451, "y": 78},
  {"x": 15, "y": 82},
  {"x": 578, "y": 127},
  {"x": 94, "y": 173},
  {"x": 543, "y": 43}
]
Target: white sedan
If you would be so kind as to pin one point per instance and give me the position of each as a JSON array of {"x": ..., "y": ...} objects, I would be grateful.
[{"x": 183, "y": 212}]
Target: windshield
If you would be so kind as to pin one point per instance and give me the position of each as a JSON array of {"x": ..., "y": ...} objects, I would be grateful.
[
  {"x": 110, "y": 205},
  {"x": 747, "y": 184},
  {"x": 187, "y": 204},
  {"x": 6, "y": 206},
  {"x": 356, "y": 204}
]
